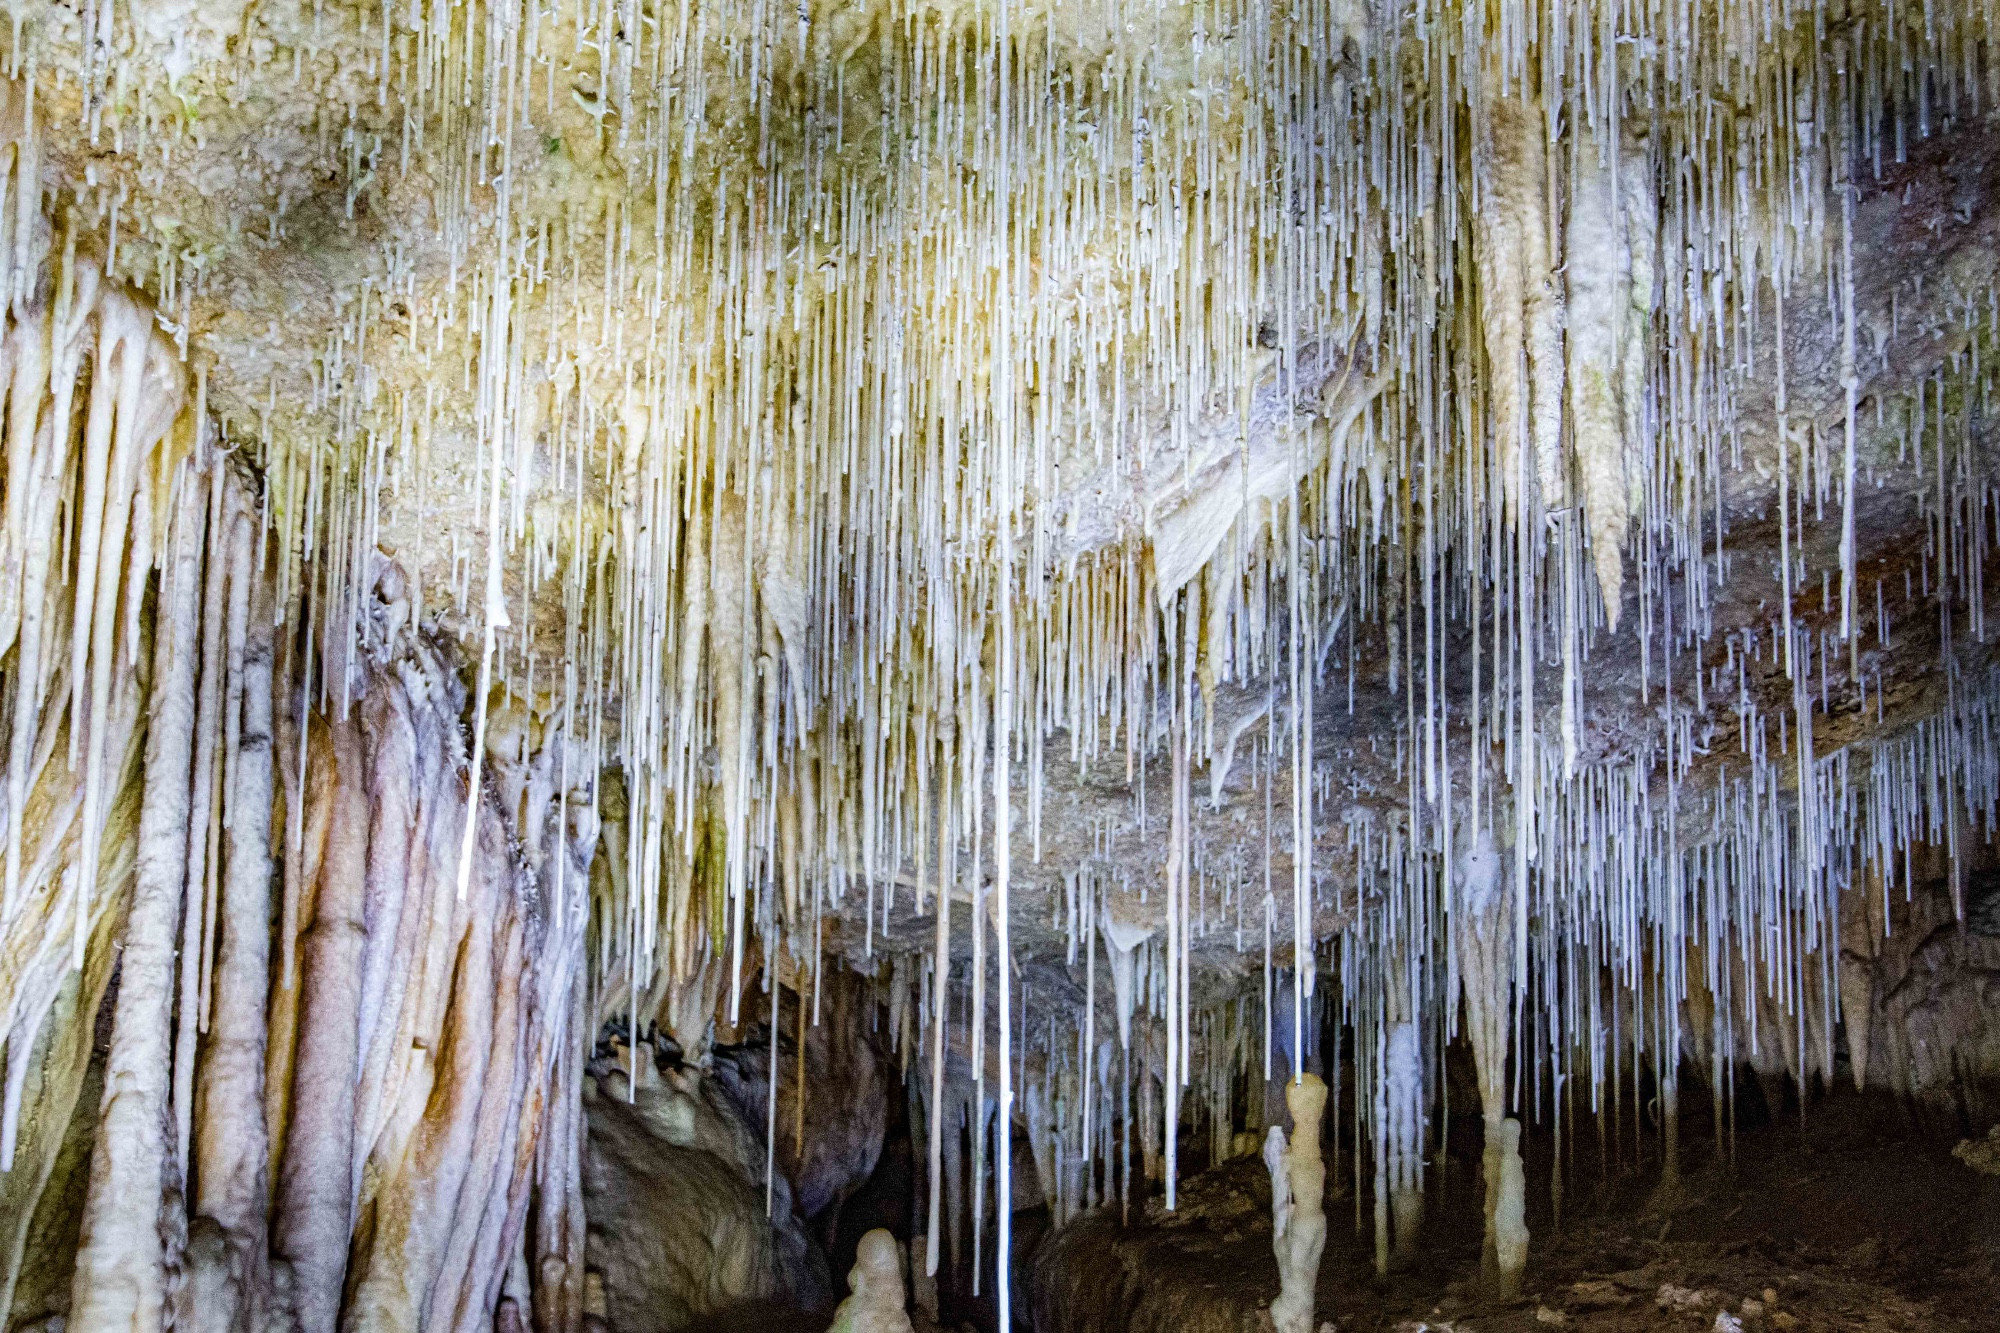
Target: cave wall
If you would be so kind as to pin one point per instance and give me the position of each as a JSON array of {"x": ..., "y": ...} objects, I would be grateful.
[
  {"x": 337, "y": 1025},
  {"x": 680, "y": 1152},
  {"x": 674, "y": 1189}
]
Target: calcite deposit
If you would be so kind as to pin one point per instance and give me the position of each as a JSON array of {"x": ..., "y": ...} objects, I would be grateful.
[{"x": 648, "y": 647}]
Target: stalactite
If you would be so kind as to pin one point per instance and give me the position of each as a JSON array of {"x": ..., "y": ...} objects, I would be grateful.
[
  {"x": 60, "y": 931},
  {"x": 1608, "y": 268},
  {"x": 1519, "y": 309},
  {"x": 1121, "y": 943}
]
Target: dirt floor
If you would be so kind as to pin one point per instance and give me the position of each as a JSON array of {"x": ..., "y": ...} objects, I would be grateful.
[{"x": 1855, "y": 1222}]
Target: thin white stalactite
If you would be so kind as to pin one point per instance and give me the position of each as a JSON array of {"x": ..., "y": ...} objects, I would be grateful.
[{"x": 940, "y": 1022}]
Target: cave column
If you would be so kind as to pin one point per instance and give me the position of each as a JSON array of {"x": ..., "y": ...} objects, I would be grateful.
[
  {"x": 1482, "y": 933},
  {"x": 1403, "y": 1127},
  {"x": 120, "y": 1280},
  {"x": 226, "y": 1283}
]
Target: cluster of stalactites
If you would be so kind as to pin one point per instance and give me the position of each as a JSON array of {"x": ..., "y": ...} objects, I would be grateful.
[
  {"x": 1737, "y": 932},
  {"x": 762, "y": 479},
  {"x": 815, "y": 482},
  {"x": 95, "y": 444},
  {"x": 810, "y": 705}
]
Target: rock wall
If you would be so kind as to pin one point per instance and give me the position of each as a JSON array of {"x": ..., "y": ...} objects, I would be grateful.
[
  {"x": 680, "y": 1145},
  {"x": 674, "y": 1188},
  {"x": 833, "y": 1109},
  {"x": 342, "y": 1017}
]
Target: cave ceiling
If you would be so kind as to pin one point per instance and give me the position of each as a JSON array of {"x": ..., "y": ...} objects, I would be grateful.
[{"x": 1205, "y": 416}]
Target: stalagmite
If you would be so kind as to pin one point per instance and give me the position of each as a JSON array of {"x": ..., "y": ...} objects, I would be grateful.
[
  {"x": 1403, "y": 1085},
  {"x": 1510, "y": 1227},
  {"x": 875, "y": 1302},
  {"x": 1861, "y": 931},
  {"x": 1298, "y": 1219}
]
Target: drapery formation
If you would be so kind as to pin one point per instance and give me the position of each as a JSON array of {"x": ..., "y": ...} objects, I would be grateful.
[{"x": 339, "y": 1091}]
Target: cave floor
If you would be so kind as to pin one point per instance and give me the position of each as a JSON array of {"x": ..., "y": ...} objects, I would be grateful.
[{"x": 1857, "y": 1222}]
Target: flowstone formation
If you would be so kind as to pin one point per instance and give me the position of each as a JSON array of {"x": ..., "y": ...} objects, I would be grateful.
[{"x": 539, "y": 537}]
